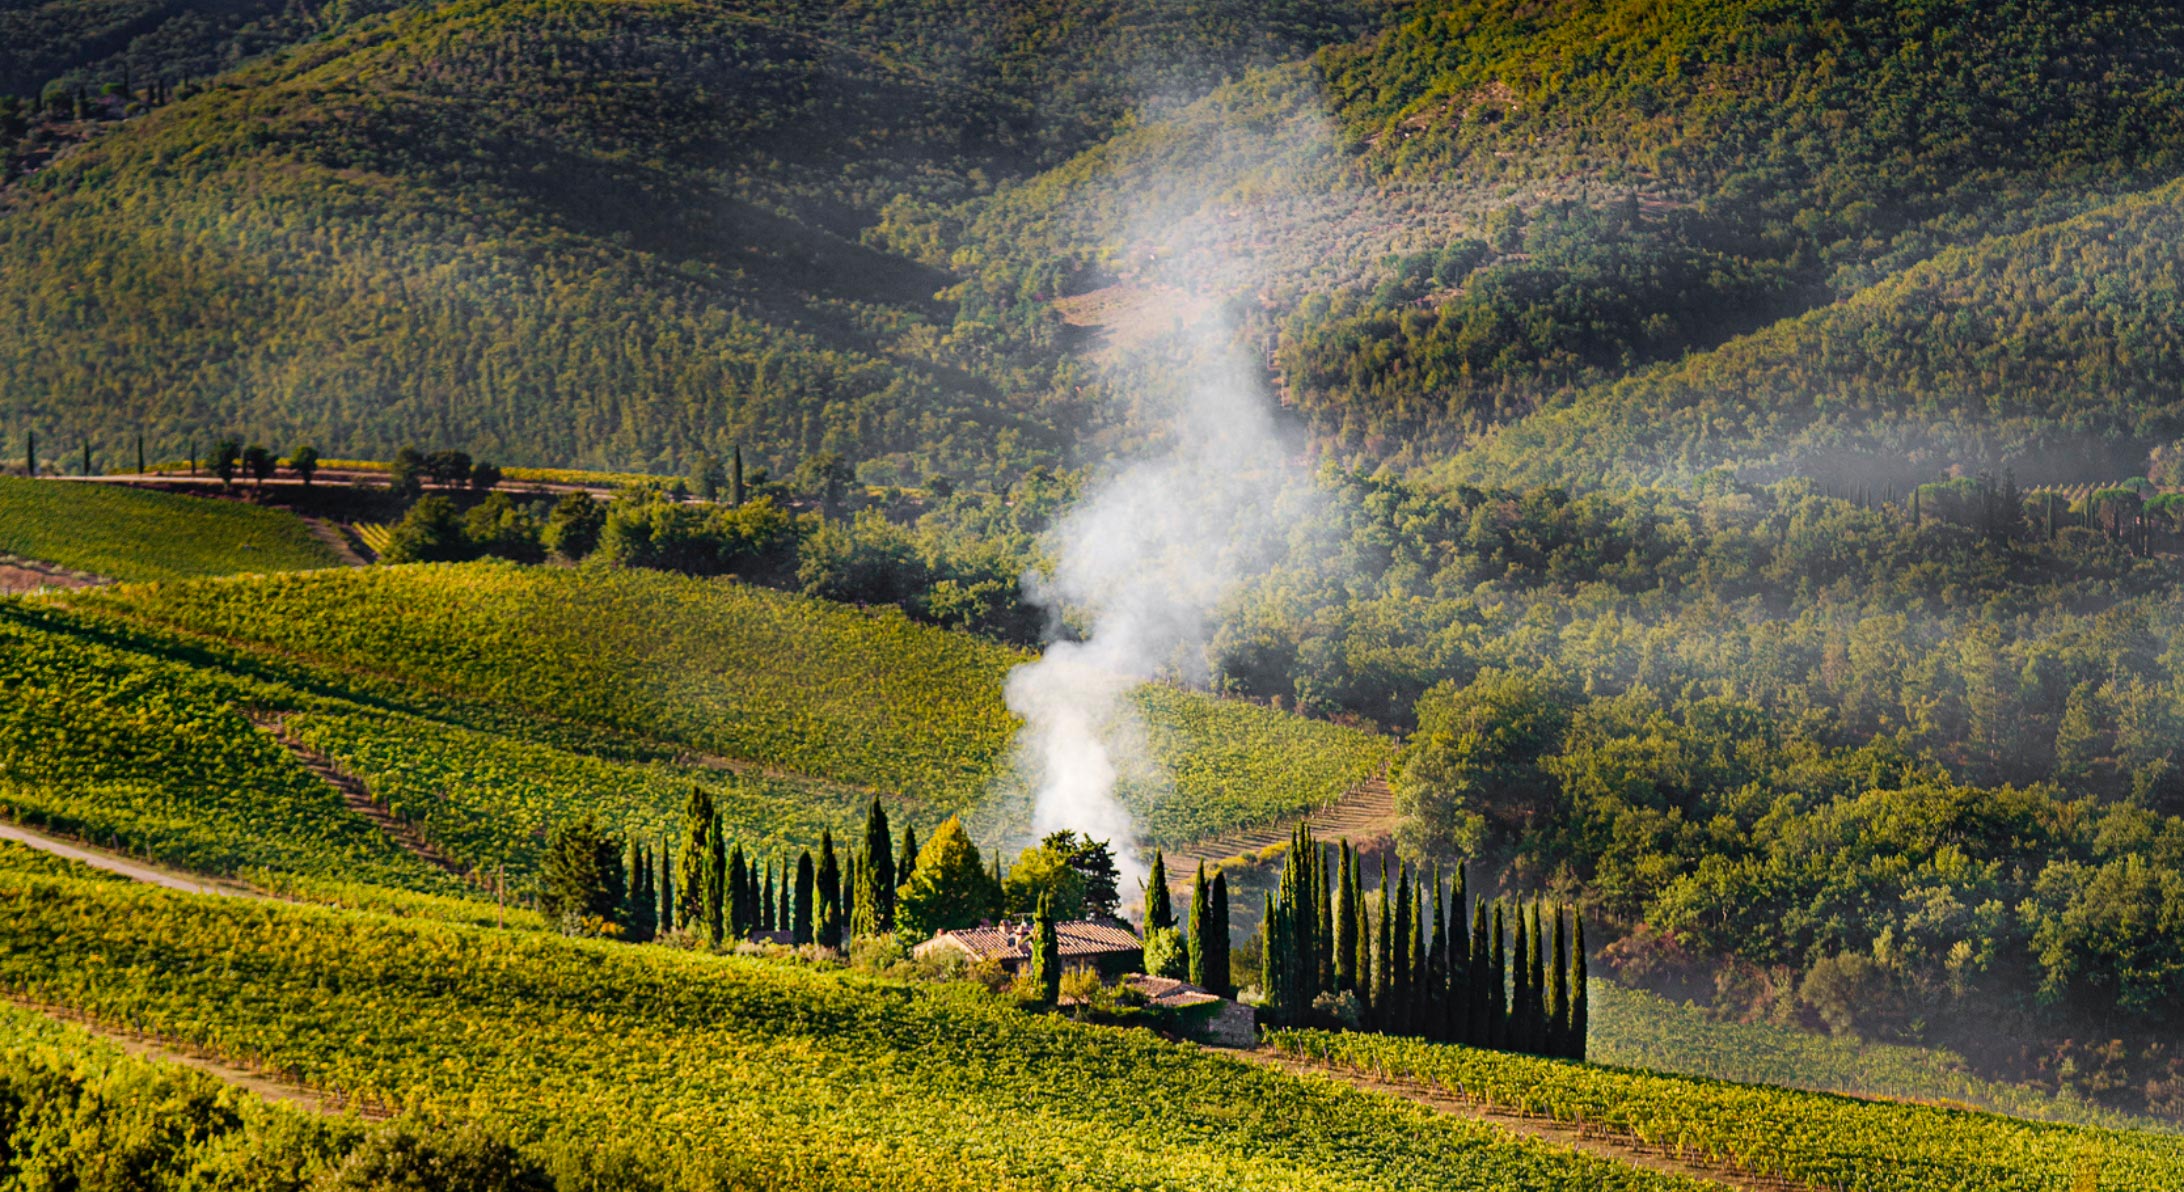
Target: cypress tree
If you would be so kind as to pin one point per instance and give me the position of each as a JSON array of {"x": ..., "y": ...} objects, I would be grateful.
[
  {"x": 1383, "y": 954},
  {"x": 1520, "y": 988},
  {"x": 807, "y": 884},
  {"x": 690, "y": 868},
  {"x": 1434, "y": 1021},
  {"x": 1402, "y": 1008},
  {"x": 1418, "y": 998},
  {"x": 1217, "y": 929},
  {"x": 1558, "y": 992},
  {"x": 906, "y": 862},
  {"x": 739, "y": 907},
  {"x": 865, "y": 921},
  {"x": 667, "y": 889},
  {"x": 1537, "y": 982},
  {"x": 1046, "y": 953},
  {"x": 1479, "y": 1030},
  {"x": 735, "y": 487},
  {"x": 830, "y": 892},
  {"x": 716, "y": 882},
  {"x": 1200, "y": 942},
  {"x": 765, "y": 896},
  {"x": 644, "y": 900},
  {"x": 1273, "y": 962},
  {"x": 1580, "y": 998},
  {"x": 1459, "y": 962},
  {"x": 1323, "y": 926},
  {"x": 879, "y": 854},
  {"x": 140, "y": 453},
  {"x": 1497, "y": 984},
  {"x": 1159, "y": 912},
  {"x": 30, "y": 454},
  {"x": 1345, "y": 928},
  {"x": 786, "y": 920}
]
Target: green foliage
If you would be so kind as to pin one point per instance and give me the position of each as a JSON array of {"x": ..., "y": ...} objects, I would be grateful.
[
  {"x": 1772, "y": 1132},
  {"x": 950, "y": 887},
  {"x": 1166, "y": 955},
  {"x": 582, "y": 884},
  {"x": 126, "y": 534}
]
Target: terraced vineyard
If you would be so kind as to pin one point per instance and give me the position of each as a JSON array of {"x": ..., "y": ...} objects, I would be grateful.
[
  {"x": 128, "y": 534},
  {"x": 862, "y": 699},
  {"x": 680, "y": 1068},
  {"x": 1819, "y": 1140}
]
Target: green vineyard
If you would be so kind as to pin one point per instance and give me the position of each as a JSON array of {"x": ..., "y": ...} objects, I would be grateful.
[{"x": 127, "y": 534}]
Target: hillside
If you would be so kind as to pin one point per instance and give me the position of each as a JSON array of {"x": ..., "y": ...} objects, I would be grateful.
[
  {"x": 574, "y": 233},
  {"x": 125, "y": 534}
]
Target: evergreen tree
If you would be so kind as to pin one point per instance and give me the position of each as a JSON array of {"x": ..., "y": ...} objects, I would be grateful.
[
  {"x": 1201, "y": 945},
  {"x": 1433, "y": 1021},
  {"x": 1345, "y": 926},
  {"x": 1383, "y": 956},
  {"x": 1217, "y": 932},
  {"x": 906, "y": 862},
  {"x": 879, "y": 856},
  {"x": 739, "y": 910},
  {"x": 807, "y": 884},
  {"x": 1558, "y": 992},
  {"x": 864, "y": 919},
  {"x": 1159, "y": 913},
  {"x": 785, "y": 920},
  {"x": 1521, "y": 993},
  {"x": 716, "y": 882},
  {"x": 690, "y": 870},
  {"x": 1536, "y": 980},
  {"x": 1274, "y": 961},
  {"x": 640, "y": 917},
  {"x": 1323, "y": 925},
  {"x": 948, "y": 888},
  {"x": 1419, "y": 997},
  {"x": 765, "y": 896},
  {"x": 30, "y": 455},
  {"x": 1580, "y": 999},
  {"x": 1478, "y": 1027},
  {"x": 1046, "y": 953},
  {"x": 1458, "y": 1017},
  {"x": 830, "y": 892},
  {"x": 1497, "y": 984},
  {"x": 667, "y": 887},
  {"x": 582, "y": 885},
  {"x": 1402, "y": 1006}
]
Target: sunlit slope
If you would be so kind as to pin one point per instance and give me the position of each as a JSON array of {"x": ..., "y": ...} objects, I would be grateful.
[
  {"x": 864, "y": 698},
  {"x": 2033, "y": 348},
  {"x": 571, "y": 231},
  {"x": 127, "y": 534}
]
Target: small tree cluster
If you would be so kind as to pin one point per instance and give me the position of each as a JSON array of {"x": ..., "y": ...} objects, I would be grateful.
[{"x": 1515, "y": 981}]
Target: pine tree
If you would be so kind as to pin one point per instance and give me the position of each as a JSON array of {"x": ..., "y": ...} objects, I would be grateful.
[
  {"x": 1201, "y": 948},
  {"x": 1046, "y": 953},
  {"x": 1159, "y": 912},
  {"x": 1580, "y": 998},
  {"x": 1558, "y": 992},
  {"x": 830, "y": 892},
  {"x": 690, "y": 868},
  {"x": 879, "y": 856},
  {"x": 807, "y": 885},
  {"x": 1217, "y": 933},
  {"x": 739, "y": 911}
]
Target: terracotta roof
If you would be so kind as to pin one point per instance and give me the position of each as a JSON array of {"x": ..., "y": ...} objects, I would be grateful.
[
  {"x": 1012, "y": 941},
  {"x": 1167, "y": 991}
]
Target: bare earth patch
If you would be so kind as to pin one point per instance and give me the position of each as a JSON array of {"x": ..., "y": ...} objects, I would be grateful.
[{"x": 18, "y": 574}]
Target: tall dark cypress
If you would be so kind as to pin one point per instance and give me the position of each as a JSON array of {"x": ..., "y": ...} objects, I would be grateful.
[
  {"x": 1159, "y": 912},
  {"x": 1580, "y": 998},
  {"x": 739, "y": 906},
  {"x": 1323, "y": 928},
  {"x": 1418, "y": 992},
  {"x": 716, "y": 882},
  {"x": 1383, "y": 954},
  {"x": 1433, "y": 1022},
  {"x": 879, "y": 852},
  {"x": 1345, "y": 927},
  {"x": 1520, "y": 989},
  {"x": 830, "y": 892},
  {"x": 1558, "y": 992},
  {"x": 786, "y": 919},
  {"x": 1046, "y": 953},
  {"x": 1497, "y": 984},
  {"x": 906, "y": 862},
  {"x": 1539, "y": 982},
  {"x": 1274, "y": 961},
  {"x": 1201, "y": 942},
  {"x": 1458, "y": 1018},
  {"x": 1217, "y": 930},
  {"x": 1478, "y": 1029},
  {"x": 690, "y": 863},
  {"x": 667, "y": 887},
  {"x": 807, "y": 888},
  {"x": 1403, "y": 1005}
]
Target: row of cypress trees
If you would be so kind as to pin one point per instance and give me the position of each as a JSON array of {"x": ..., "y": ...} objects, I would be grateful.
[
  {"x": 1515, "y": 981},
  {"x": 715, "y": 890}
]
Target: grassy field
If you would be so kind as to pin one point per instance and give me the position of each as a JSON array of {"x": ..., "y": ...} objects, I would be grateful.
[
  {"x": 126, "y": 534},
  {"x": 686, "y": 1070},
  {"x": 864, "y": 699}
]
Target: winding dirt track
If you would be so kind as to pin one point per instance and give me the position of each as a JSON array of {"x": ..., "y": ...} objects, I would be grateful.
[{"x": 116, "y": 863}]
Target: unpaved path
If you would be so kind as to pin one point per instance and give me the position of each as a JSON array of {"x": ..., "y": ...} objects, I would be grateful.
[
  {"x": 1604, "y": 1144},
  {"x": 355, "y": 797},
  {"x": 18, "y": 574},
  {"x": 249, "y": 1079},
  {"x": 111, "y": 862}
]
